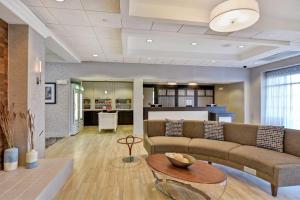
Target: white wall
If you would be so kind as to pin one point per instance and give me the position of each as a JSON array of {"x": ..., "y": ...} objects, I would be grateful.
[
  {"x": 36, "y": 93},
  {"x": 148, "y": 96},
  {"x": 232, "y": 96},
  {"x": 256, "y": 82},
  {"x": 145, "y": 72}
]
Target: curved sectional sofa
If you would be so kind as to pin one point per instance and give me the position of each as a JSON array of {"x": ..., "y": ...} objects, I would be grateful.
[{"x": 238, "y": 150}]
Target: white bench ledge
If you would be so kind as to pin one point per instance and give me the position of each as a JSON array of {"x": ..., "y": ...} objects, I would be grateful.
[{"x": 41, "y": 183}]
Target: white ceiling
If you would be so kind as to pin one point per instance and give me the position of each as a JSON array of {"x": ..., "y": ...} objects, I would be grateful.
[{"x": 117, "y": 31}]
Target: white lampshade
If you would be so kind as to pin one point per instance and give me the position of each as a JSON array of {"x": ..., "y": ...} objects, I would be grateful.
[{"x": 234, "y": 15}]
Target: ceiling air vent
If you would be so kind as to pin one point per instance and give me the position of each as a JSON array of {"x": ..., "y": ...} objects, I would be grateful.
[{"x": 280, "y": 56}]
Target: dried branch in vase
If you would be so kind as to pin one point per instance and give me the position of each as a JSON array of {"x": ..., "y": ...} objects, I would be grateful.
[
  {"x": 7, "y": 120},
  {"x": 29, "y": 119}
]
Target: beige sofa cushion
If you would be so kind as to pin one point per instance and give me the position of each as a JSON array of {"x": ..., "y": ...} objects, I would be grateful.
[
  {"x": 193, "y": 129},
  {"x": 215, "y": 148},
  {"x": 261, "y": 159},
  {"x": 164, "y": 144},
  {"x": 240, "y": 133},
  {"x": 292, "y": 142},
  {"x": 156, "y": 127}
]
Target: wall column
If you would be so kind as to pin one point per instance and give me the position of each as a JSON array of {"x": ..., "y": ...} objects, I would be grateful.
[
  {"x": 26, "y": 53},
  {"x": 138, "y": 107}
]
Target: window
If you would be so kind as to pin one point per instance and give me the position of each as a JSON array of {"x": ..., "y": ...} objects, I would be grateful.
[{"x": 282, "y": 97}]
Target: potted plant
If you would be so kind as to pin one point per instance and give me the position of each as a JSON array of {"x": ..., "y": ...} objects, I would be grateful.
[
  {"x": 7, "y": 120},
  {"x": 32, "y": 154}
]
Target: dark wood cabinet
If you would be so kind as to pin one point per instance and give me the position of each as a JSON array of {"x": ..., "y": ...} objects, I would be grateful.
[
  {"x": 91, "y": 118},
  {"x": 124, "y": 117}
]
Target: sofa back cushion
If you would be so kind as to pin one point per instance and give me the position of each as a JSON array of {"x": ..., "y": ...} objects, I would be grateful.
[
  {"x": 191, "y": 128},
  {"x": 244, "y": 134},
  {"x": 292, "y": 142},
  {"x": 155, "y": 127}
]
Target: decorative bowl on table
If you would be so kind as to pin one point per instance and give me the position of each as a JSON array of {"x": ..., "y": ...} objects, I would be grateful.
[{"x": 180, "y": 160}]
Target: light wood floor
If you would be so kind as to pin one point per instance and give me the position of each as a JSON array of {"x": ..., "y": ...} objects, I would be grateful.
[{"x": 99, "y": 174}]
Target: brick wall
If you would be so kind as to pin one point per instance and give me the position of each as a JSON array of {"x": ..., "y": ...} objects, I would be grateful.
[{"x": 3, "y": 72}]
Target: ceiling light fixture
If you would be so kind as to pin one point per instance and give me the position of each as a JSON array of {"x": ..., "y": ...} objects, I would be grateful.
[
  {"x": 60, "y": 0},
  {"x": 172, "y": 83},
  {"x": 95, "y": 55},
  {"x": 241, "y": 46},
  {"x": 234, "y": 15},
  {"x": 194, "y": 43},
  {"x": 149, "y": 40},
  {"x": 193, "y": 84}
]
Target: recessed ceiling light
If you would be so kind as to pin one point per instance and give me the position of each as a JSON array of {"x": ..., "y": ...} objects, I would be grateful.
[
  {"x": 149, "y": 40},
  {"x": 241, "y": 46},
  {"x": 194, "y": 43},
  {"x": 95, "y": 55},
  {"x": 60, "y": 0},
  {"x": 172, "y": 83},
  {"x": 193, "y": 84}
]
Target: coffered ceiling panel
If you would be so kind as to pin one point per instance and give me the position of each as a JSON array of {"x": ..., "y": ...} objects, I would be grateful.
[
  {"x": 104, "y": 19},
  {"x": 33, "y": 2},
  {"x": 68, "y": 4},
  {"x": 102, "y": 5},
  {"x": 70, "y": 17},
  {"x": 158, "y": 26},
  {"x": 193, "y": 29},
  {"x": 136, "y": 23},
  {"x": 44, "y": 15},
  {"x": 177, "y": 31},
  {"x": 106, "y": 33}
]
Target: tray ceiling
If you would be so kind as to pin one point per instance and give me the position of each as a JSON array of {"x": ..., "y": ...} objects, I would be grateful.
[{"x": 117, "y": 31}]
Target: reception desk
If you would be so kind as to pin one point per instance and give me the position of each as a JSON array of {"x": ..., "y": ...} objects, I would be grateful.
[
  {"x": 186, "y": 115},
  {"x": 217, "y": 113}
]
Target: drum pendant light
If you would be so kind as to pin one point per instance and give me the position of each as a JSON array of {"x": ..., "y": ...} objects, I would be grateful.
[{"x": 234, "y": 15}]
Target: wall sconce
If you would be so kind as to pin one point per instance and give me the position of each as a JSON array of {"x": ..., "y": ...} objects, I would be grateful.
[{"x": 39, "y": 74}]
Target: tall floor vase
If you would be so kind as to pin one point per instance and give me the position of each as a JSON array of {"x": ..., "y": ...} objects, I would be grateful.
[{"x": 11, "y": 159}]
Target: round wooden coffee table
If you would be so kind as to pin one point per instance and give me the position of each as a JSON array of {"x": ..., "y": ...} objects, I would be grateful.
[{"x": 198, "y": 181}]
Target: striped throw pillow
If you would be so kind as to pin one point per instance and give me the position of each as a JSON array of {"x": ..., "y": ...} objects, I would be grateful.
[
  {"x": 270, "y": 137},
  {"x": 174, "y": 127},
  {"x": 213, "y": 130}
]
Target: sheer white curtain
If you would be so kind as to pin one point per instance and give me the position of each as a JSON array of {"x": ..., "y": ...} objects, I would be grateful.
[{"x": 282, "y": 97}]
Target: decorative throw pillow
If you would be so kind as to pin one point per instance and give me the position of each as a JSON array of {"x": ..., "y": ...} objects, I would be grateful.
[
  {"x": 270, "y": 137},
  {"x": 213, "y": 130},
  {"x": 174, "y": 127}
]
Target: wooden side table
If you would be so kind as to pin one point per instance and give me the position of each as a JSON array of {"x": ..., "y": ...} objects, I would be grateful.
[{"x": 130, "y": 141}]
